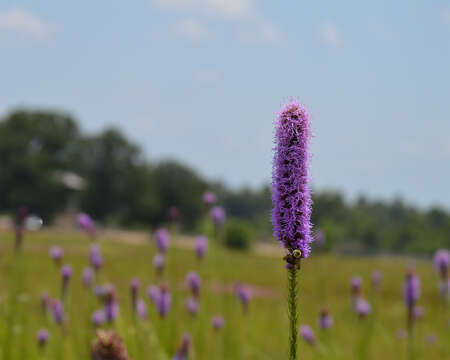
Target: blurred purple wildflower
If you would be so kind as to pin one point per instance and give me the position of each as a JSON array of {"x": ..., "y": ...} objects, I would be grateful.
[
  {"x": 88, "y": 276},
  {"x": 45, "y": 302},
  {"x": 98, "y": 318},
  {"x": 307, "y": 334},
  {"x": 153, "y": 294},
  {"x": 376, "y": 278},
  {"x": 162, "y": 239},
  {"x": 134, "y": 290},
  {"x": 57, "y": 311},
  {"x": 66, "y": 274},
  {"x": 418, "y": 312},
  {"x": 194, "y": 282},
  {"x": 411, "y": 289},
  {"x": 209, "y": 198},
  {"x": 56, "y": 253},
  {"x": 95, "y": 257},
  {"x": 290, "y": 180},
  {"x": 218, "y": 215},
  {"x": 42, "y": 337},
  {"x": 183, "y": 351},
  {"x": 325, "y": 320},
  {"x": 201, "y": 246},
  {"x": 441, "y": 262},
  {"x": 164, "y": 301},
  {"x": 363, "y": 308},
  {"x": 192, "y": 305},
  {"x": 217, "y": 322},
  {"x": 85, "y": 222},
  {"x": 244, "y": 295},
  {"x": 158, "y": 263},
  {"x": 141, "y": 309}
]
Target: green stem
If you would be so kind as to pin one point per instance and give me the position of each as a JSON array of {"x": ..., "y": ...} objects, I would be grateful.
[{"x": 292, "y": 312}]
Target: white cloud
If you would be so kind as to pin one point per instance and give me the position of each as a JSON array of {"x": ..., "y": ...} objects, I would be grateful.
[
  {"x": 23, "y": 22},
  {"x": 231, "y": 8},
  {"x": 192, "y": 29},
  {"x": 330, "y": 34},
  {"x": 240, "y": 14}
]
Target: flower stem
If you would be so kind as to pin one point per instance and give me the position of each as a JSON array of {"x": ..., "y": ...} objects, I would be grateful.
[{"x": 292, "y": 312}]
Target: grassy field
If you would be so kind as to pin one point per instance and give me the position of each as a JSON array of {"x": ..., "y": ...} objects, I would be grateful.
[{"x": 261, "y": 334}]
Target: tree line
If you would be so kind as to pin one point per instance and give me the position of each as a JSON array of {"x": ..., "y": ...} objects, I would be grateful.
[{"x": 124, "y": 188}]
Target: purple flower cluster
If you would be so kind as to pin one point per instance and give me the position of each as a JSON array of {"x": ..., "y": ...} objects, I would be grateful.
[
  {"x": 183, "y": 351},
  {"x": 376, "y": 278},
  {"x": 218, "y": 322},
  {"x": 244, "y": 295},
  {"x": 162, "y": 239},
  {"x": 88, "y": 277},
  {"x": 194, "y": 282},
  {"x": 110, "y": 310},
  {"x": 218, "y": 215},
  {"x": 209, "y": 198},
  {"x": 42, "y": 337},
  {"x": 201, "y": 246},
  {"x": 85, "y": 222},
  {"x": 95, "y": 257},
  {"x": 411, "y": 289},
  {"x": 192, "y": 305},
  {"x": 325, "y": 320},
  {"x": 307, "y": 334},
  {"x": 56, "y": 253},
  {"x": 161, "y": 298},
  {"x": 290, "y": 181},
  {"x": 158, "y": 263}
]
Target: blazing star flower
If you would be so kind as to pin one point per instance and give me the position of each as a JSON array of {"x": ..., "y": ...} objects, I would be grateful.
[
  {"x": 66, "y": 274},
  {"x": 153, "y": 294},
  {"x": 56, "y": 253},
  {"x": 164, "y": 301},
  {"x": 108, "y": 346},
  {"x": 42, "y": 337},
  {"x": 57, "y": 311},
  {"x": 201, "y": 246},
  {"x": 158, "y": 263},
  {"x": 363, "y": 308},
  {"x": 411, "y": 289},
  {"x": 441, "y": 262},
  {"x": 355, "y": 284},
  {"x": 325, "y": 320},
  {"x": 194, "y": 282},
  {"x": 209, "y": 198},
  {"x": 141, "y": 309},
  {"x": 290, "y": 181},
  {"x": 162, "y": 239},
  {"x": 85, "y": 222},
  {"x": 244, "y": 295},
  {"x": 183, "y": 351},
  {"x": 192, "y": 305},
  {"x": 134, "y": 290},
  {"x": 376, "y": 280},
  {"x": 307, "y": 334},
  {"x": 95, "y": 257},
  {"x": 111, "y": 305},
  {"x": 98, "y": 318},
  {"x": 88, "y": 276},
  {"x": 218, "y": 215},
  {"x": 217, "y": 322}
]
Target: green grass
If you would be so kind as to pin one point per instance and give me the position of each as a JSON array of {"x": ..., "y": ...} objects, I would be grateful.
[{"x": 262, "y": 334}]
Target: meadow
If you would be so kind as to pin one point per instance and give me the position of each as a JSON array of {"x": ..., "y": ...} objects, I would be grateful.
[{"x": 260, "y": 333}]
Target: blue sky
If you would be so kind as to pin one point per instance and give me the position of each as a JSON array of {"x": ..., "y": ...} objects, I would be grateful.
[{"x": 201, "y": 80}]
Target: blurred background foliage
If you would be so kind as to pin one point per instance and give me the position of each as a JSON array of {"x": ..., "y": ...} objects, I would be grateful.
[{"x": 123, "y": 188}]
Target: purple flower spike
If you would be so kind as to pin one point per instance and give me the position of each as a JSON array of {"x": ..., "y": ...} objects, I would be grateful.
[
  {"x": 441, "y": 262},
  {"x": 244, "y": 295},
  {"x": 217, "y": 322},
  {"x": 153, "y": 294},
  {"x": 356, "y": 283},
  {"x": 325, "y": 320},
  {"x": 56, "y": 253},
  {"x": 411, "y": 289},
  {"x": 134, "y": 290},
  {"x": 141, "y": 309},
  {"x": 162, "y": 239},
  {"x": 57, "y": 311},
  {"x": 201, "y": 246},
  {"x": 194, "y": 282},
  {"x": 376, "y": 280},
  {"x": 85, "y": 222},
  {"x": 66, "y": 274},
  {"x": 95, "y": 257},
  {"x": 164, "y": 301},
  {"x": 111, "y": 305},
  {"x": 209, "y": 198},
  {"x": 183, "y": 351},
  {"x": 42, "y": 337},
  {"x": 158, "y": 263},
  {"x": 290, "y": 181},
  {"x": 307, "y": 334},
  {"x": 218, "y": 215},
  {"x": 88, "y": 277},
  {"x": 98, "y": 318},
  {"x": 363, "y": 308},
  {"x": 192, "y": 305}
]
